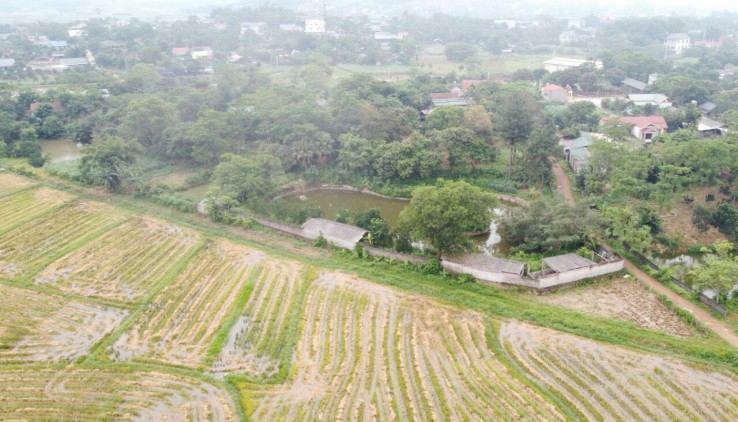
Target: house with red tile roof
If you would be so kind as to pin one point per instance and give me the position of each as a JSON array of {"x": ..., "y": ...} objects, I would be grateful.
[
  {"x": 468, "y": 83},
  {"x": 645, "y": 127},
  {"x": 552, "y": 92}
]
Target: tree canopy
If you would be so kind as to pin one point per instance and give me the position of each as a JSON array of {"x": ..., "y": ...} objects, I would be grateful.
[{"x": 444, "y": 214}]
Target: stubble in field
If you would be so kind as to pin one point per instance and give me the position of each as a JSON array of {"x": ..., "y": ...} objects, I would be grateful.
[
  {"x": 609, "y": 382},
  {"x": 87, "y": 394},
  {"x": 124, "y": 264},
  {"x": 181, "y": 322},
  {"x": 624, "y": 299},
  {"x": 38, "y": 327},
  {"x": 367, "y": 352}
]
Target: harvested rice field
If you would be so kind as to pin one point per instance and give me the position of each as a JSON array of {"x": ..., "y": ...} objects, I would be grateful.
[{"x": 108, "y": 315}]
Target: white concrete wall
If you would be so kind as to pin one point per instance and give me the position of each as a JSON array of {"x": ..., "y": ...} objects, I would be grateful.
[
  {"x": 580, "y": 274},
  {"x": 488, "y": 276},
  {"x": 543, "y": 282}
]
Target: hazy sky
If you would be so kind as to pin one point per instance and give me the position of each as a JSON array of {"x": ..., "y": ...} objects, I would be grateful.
[{"x": 46, "y": 9}]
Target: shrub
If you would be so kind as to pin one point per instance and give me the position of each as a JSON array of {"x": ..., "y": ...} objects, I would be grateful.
[
  {"x": 466, "y": 278},
  {"x": 504, "y": 186},
  {"x": 321, "y": 242},
  {"x": 176, "y": 201},
  {"x": 36, "y": 159},
  {"x": 202, "y": 177},
  {"x": 403, "y": 244},
  {"x": 431, "y": 267},
  {"x": 360, "y": 251}
]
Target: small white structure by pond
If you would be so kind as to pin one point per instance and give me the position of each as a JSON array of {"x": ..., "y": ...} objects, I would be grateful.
[{"x": 342, "y": 235}]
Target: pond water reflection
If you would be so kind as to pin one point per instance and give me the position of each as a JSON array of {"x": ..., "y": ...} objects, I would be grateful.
[{"x": 61, "y": 149}]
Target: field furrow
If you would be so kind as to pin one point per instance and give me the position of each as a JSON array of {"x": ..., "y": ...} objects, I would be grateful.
[
  {"x": 129, "y": 261},
  {"x": 81, "y": 394},
  {"x": 369, "y": 353},
  {"x": 27, "y": 205},
  {"x": 263, "y": 337},
  {"x": 181, "y": 322},
  {"x": 598, "y": 378},
  {"x": 38, "y": 327},
  {"x": 33, "y": 245}
]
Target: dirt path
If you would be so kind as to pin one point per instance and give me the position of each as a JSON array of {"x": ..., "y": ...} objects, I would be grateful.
[
  {"x": 562, "y": 181},
  {"x": 720, "y": 328}
]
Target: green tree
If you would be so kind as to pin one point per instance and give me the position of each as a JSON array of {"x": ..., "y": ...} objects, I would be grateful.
[
  {"x": 107, "y": 162},
  {"x": 478, "y": 121},
  {"x": 415, "y": 158},
  {"x": 444, "y": 117},
  {"x": 683, "y": 89},
  {"x": 459, "y": 51},
  {"x": 27, "y": 145},
  {"x": 543, "y": 143},
  {"x": 514, "y": 125},
  {"x": 462, "y": 149},
  {"x": 246, "y": 178},
  {"x": 717, "y": 272},
  {"x": 443, "y": 214},
  {"x": 354, "y": 155},
  {"x": 548, "y": 225},
  {"x": 582, "y": 113},
  {"x": 145, "y": 120},
  {"x": 624, "y": 225}
]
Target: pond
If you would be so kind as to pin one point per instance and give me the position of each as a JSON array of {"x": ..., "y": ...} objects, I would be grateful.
[
  {"x": 331, "y": 201},
  {"x": 61, "y": 149},
  {"x": 493, "y": 243},
  {"x": 670, "y": 260}
]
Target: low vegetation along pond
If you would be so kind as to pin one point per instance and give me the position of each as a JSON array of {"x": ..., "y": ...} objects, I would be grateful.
[{"x": 332, "y": 201}]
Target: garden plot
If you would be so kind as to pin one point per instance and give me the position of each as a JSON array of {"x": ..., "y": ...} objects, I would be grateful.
[
  {"x": 27, "y": 205},
  {"x": 180, "y": 323},
  {"x": 263, "y": 337},
  {"x": 367, "y": 352},
  {"x": 623, "y": 299},
  {"x": 31, "y": 246},
  {"x": 613, "y": 383},
  {"x": 81, "y": 394},
  {"x": 38, "y": 327},
  {"x": 124, "y": 264},
  {"x": 10, "y": 183}
]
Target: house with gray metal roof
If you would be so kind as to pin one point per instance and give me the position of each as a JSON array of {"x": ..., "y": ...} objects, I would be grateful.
[
  {"x": 74, "y": 61},
  {"x": 634, "y": 85}
]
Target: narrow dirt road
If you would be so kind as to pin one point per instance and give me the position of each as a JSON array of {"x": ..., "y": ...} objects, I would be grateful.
[
  {"x": 717, "y": 326},
  {"x": 562, "y": 181}
]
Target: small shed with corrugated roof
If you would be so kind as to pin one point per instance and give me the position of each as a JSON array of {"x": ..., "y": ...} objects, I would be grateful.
[
  {"x": 343, "y": 235},
  {"x": 564, "y": 263}
]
